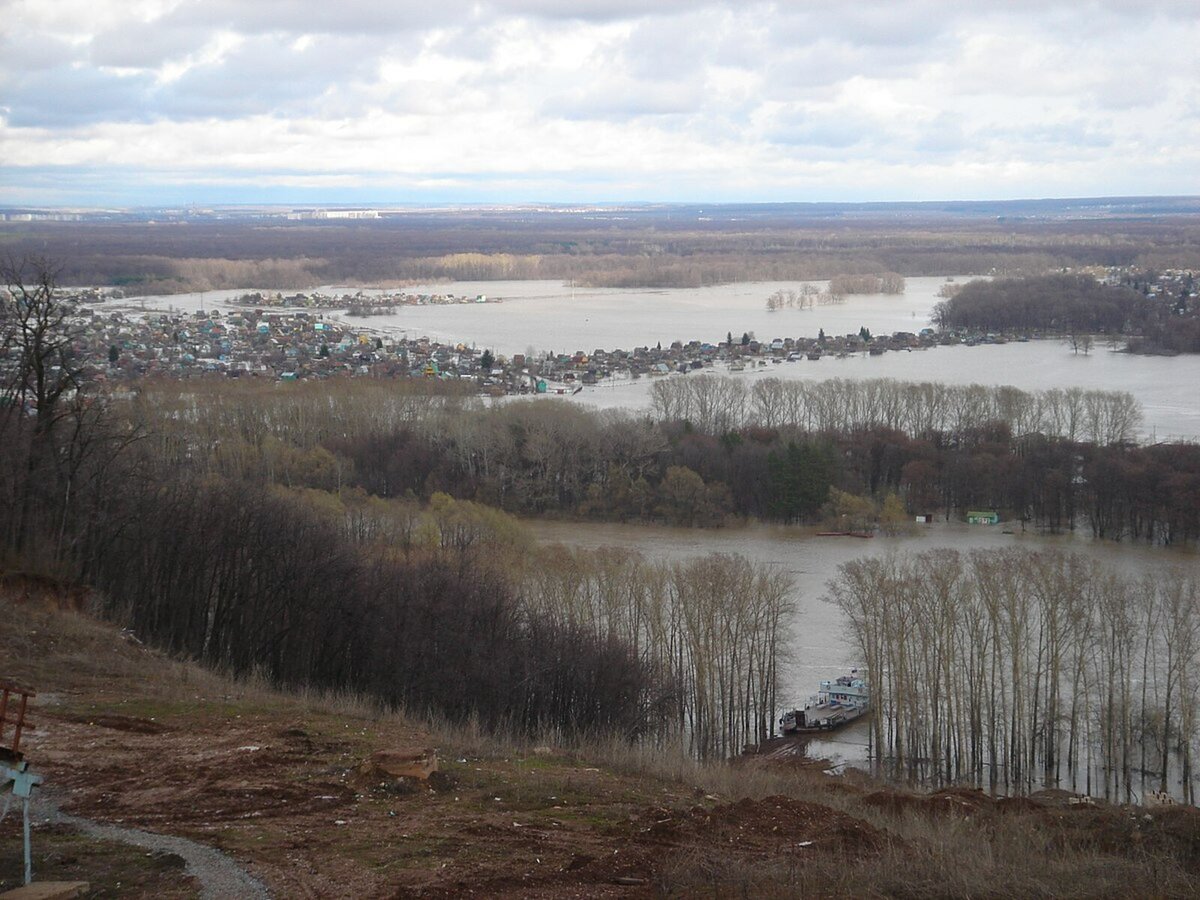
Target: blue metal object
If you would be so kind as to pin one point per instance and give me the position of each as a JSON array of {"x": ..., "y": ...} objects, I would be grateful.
[
  {"x": 17, "y": 779},
  {"x": 23, "y": 781}
]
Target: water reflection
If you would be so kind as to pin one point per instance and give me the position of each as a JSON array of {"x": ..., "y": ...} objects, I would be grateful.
[{"x": 820, "y": 645}]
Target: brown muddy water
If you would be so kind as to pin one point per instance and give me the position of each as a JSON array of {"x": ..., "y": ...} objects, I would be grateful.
[{"x": 820, "y": 645}]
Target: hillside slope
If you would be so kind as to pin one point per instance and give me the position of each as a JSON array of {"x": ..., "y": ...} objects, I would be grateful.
[{"x": 126, "y": 735}]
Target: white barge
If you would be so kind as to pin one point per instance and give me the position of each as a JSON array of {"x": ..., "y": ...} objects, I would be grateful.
[{"x": 836, "y": 703}]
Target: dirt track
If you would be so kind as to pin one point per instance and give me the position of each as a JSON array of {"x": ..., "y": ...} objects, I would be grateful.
[{"x": 219, "y": 876}]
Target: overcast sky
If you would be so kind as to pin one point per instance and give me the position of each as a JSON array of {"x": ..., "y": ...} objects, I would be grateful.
[{"x": 125, "y": 102}]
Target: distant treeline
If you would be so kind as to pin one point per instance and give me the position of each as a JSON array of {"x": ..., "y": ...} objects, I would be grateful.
[
  {"x": 887, "y": 283},
  {"x": 1055, "y": 459},
  {"x": 604, "y": 250},
  {"x": 1057, "y": 304},
  {"x": 837, "y": 405},
  {"x": 1075, "y": 305}
]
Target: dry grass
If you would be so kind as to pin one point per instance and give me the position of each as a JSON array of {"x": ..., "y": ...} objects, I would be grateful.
[
  {"x": 984, "y": 850},
  {"x": 62, "y": 652},
  {"x": 926, "y": 858},
  {"x": 980, "y": 853}
]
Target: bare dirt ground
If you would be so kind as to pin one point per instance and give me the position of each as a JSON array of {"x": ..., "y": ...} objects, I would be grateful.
[
  {"x": 127, "y": 737},
  {"x": 130, "y": 738}
]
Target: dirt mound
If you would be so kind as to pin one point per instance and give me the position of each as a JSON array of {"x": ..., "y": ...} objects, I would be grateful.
[
  {"x": 769, "y": 826},
  {"x": 1172, "y": 831},
  {"x": 1056, "y": 797},
  {"x": 1019, "y": 806},
  {"x": 44, "y": 591},
  {"x": 772, "y": 829},
  {"x": 1178, "y": 828},
  {"x": 131, "y": 724},
  {"x": 951, "y": 802}
]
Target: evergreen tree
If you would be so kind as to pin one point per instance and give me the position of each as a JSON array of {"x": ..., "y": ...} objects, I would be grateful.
[{"x": 800, "y": 478}]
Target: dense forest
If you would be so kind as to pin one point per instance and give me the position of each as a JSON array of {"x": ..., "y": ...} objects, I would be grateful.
[
  {"x": 1046, "y": 304},
  {"x": 711, "y": 454},
  {"x": 1078, "y": 305},
  {"x": 649, "y": 246}
]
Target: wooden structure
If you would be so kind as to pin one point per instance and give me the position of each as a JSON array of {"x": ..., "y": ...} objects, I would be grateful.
[
  {"x": 48, "y": 890},
  {"x": 14, "y": 700},
  {"x": 15, "y": 777}
]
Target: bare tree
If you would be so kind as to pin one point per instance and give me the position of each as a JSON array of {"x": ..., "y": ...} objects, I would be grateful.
[
  {"x": 37, "y": 335},
  {"x": 40, "y": 371}
]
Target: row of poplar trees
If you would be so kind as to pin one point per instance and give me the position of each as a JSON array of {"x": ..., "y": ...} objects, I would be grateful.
[{"x": 1026, "y": 669}]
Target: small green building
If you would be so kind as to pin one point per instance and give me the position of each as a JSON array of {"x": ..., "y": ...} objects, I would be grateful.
[{"x": 983, "y": 517}]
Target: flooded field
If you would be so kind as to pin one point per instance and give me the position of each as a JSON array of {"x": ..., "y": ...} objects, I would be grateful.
[
  {"x": 820, "y": 645},
  {"x": 540, "y": 316}
]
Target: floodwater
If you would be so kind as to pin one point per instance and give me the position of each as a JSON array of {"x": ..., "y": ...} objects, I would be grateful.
[
  {"x": 1168, "y": 388},
  {"x": 541, "y": 315},
  {"x": 547, "y": 315},
  {"x": 820, "y": 646}
]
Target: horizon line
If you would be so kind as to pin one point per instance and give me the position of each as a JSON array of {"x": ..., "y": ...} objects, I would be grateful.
[{"x": 573, "y": 204}]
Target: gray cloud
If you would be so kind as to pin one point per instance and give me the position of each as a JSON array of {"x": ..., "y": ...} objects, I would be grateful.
[
  {"x": 66, "y": 97},
  {"x": 753, "y": 87},
  {"x": 832, "y": 130},
  {"x": 267, "y": 76},
  {"x": 316, "y": 16},
  {"x": 145, "y": 45}
]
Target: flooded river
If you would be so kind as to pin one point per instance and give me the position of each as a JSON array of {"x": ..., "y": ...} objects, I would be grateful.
[
  {"x": 820, "y": 645},
  {"x": 539, "y": 315},
  {"x": 549, "y": 316}
]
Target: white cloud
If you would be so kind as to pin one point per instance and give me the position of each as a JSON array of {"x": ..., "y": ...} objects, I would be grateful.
[{"x": 895, "y": 98}]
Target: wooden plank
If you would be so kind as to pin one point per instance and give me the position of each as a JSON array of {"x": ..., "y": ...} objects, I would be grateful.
[{"x": 48, "y": 890}]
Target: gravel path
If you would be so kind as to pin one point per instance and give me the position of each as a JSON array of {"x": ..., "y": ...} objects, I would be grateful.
[{"x": 220, "y": 877}]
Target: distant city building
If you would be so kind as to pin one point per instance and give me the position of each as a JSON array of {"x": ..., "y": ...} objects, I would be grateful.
[{"x": 333, "y": 214}]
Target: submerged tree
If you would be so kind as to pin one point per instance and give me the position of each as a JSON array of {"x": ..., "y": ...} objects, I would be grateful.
[{"x": 1027, "y": 669}]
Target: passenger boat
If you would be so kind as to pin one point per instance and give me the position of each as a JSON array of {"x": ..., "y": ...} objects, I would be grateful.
[{"x": 836, "y": 703}]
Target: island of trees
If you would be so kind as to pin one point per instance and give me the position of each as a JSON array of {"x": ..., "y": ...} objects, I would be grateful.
[{"x": 1163, "y": 320}]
